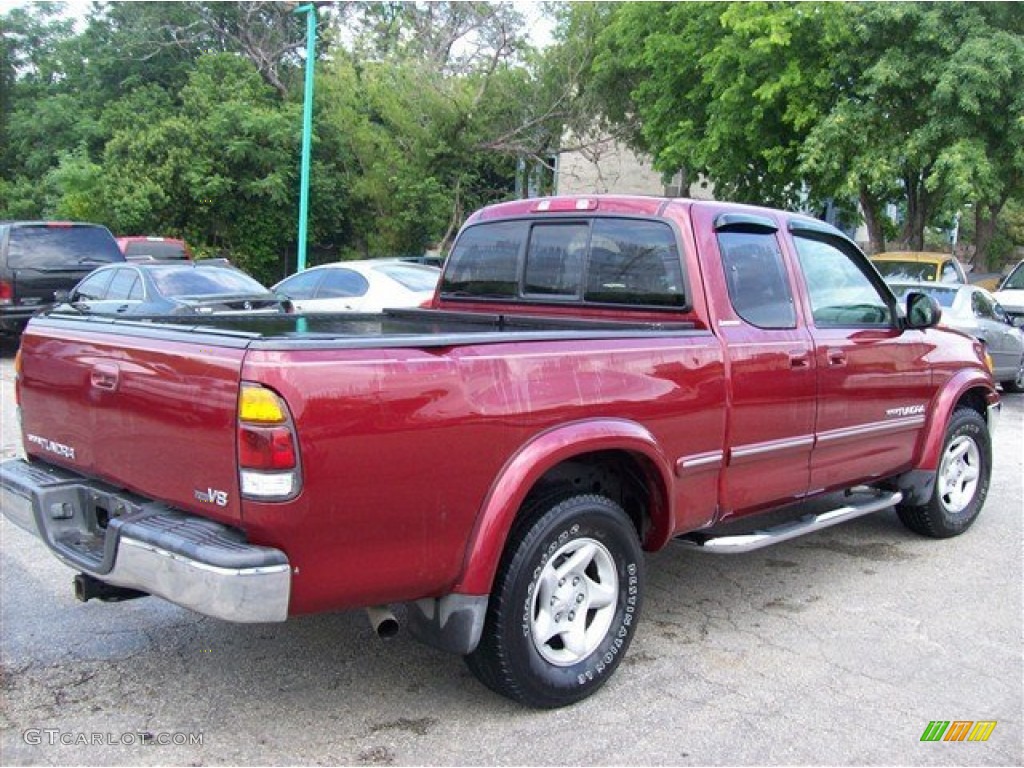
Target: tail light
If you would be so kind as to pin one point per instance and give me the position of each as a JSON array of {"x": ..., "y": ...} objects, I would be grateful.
[
  {"x": 17, "y": 379},
  {"x": 268, "y": 456},
  {"x": 6, "y": 293}
]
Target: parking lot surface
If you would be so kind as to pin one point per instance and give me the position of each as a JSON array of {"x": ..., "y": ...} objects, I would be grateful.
[{"x": 835, "y": 649}]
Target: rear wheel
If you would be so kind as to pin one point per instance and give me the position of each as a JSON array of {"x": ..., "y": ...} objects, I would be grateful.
[
  {"x": 565, "y": 603},
  {"x": 961, "y": 483}
]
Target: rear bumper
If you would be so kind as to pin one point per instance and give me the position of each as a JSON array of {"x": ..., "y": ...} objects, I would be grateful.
[
  {"x": 14, "y": 319},
  {"x": 132, "y": 542}
]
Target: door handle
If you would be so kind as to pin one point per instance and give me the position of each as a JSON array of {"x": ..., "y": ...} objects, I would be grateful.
[
  {"x": 105, "y": 376},
  {"x": 836, "y": 357},
  {"x": 799, "y": 358}
]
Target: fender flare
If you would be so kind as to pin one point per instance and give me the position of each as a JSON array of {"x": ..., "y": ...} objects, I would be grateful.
[
  {"x": 522, "y": 471},
  {"x": 941, "y": 411}
]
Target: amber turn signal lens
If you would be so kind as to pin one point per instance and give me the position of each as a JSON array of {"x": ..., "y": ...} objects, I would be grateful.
[{"x": 260, "y": 406}]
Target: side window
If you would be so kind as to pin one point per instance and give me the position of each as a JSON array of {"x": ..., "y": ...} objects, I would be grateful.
[
  {"x": 982, "y": 307},
  {"x": 554, "y": 260},
  {"x": 1001, "y": 314},
  {"x": 756, "y": 277},
  {"x": 93, "y": 287},
  {"x": 137, "y": 293},
  {"x": 302, "y": 285},
  {"x": 841, "y": 293},
  {"x": 342, "y": 283},
  {"x": 949, "y": 273},
  {"x": 635, "y": 263},
  {"x": 122, "y": 283}
]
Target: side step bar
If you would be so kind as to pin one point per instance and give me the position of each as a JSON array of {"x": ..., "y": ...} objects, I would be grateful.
[{"x": 748, "y": 542}]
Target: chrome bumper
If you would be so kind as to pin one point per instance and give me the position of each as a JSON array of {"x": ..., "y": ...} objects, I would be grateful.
[{"x": 132, "y": 542}]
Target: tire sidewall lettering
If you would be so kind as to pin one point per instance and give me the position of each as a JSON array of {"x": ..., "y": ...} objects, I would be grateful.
[{"x": 603, "y": 659}]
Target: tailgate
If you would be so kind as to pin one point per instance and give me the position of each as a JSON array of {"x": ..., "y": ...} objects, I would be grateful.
[
  {"x": 36, "y": 287},
  {"x": 152, "y": 411}
]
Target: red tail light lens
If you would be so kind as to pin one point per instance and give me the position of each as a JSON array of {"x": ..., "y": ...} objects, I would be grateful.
[
  {"x": 17, "y": 377},
  {"x": 267, "y": 448},
  {"x": 6, "y": 292}
]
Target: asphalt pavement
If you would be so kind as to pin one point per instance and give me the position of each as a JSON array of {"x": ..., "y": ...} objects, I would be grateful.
[{"x": 839, "y": 648}]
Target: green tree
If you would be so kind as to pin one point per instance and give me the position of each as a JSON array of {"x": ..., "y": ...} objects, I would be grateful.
[
  {"x": 795, "y": 103},
  {"x": 219, "y": 168}
]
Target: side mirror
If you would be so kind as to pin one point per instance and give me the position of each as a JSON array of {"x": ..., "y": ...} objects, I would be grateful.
[
  {"x": 62, "y": 296},
  {"x": 922, "y": 311}
]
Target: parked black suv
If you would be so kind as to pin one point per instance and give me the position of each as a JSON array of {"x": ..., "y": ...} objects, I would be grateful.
[{"x": 38, "y": 258}]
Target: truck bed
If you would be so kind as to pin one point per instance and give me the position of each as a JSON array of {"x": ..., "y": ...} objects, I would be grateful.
[{"x": 404, "y": 421}]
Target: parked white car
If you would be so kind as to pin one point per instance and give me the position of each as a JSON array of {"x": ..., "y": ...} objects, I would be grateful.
[
  {"x": 1010, "y": 294},
  {"x": 369, "y": 285}
]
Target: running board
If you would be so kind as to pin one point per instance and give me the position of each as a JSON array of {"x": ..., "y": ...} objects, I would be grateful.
[{"x": 748, "y": 542}]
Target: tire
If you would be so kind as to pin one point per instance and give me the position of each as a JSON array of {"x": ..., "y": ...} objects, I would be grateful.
[
  {"x": 961, "y": 482},
  {"x": 565, "y": 603},
  {"x": 1015, "y": 385}
]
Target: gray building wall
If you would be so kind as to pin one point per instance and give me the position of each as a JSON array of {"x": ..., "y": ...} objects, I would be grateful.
[{"x": 608, "y": 166}]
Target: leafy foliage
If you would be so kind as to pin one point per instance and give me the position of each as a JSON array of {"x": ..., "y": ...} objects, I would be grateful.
[
  {"x": 913, "y": 105},
  {"x": 183, "y": 119}
]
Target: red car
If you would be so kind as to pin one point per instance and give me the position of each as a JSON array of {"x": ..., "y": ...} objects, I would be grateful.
[
  {"x": 596, "y": 377},
  {"x": 145, "y": 248}
]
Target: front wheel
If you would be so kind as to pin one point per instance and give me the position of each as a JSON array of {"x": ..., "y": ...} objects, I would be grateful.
[
  {"x": 961, "y": 483},
  {"x": 564, "y": 605}
]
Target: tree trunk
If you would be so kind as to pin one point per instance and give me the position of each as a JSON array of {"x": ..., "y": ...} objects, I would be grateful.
[
  {"x": 871, "y": 208},
  {"x": 984, "y": 231},
  {"x": 912, "y": 236}
]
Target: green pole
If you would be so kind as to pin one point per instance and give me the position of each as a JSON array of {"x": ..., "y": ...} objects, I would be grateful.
[{"x": 307, "y": 131}]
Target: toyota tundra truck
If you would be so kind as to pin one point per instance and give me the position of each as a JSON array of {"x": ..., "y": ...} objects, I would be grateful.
[{"x": 595, "y": 378}]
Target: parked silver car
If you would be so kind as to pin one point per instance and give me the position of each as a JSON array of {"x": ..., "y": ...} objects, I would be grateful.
[{"x": 975, "y": 311}]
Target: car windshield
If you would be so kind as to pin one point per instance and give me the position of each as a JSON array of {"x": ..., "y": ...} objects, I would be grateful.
[
  {"x": 203, "y": 281},
  {"x": 42, "y": 245},
  {"x": 1016, "y": 279},
  {"x": 415, "y": 277},
  {"x": 944, "y": 296},
  {"x": 907, "y": 270},
  {"x": 158, "y": 249}
]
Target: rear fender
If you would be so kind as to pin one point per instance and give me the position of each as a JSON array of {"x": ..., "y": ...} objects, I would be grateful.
[
  {"x": 521, "y": 473},
  {"x": 971, "y": 385}
]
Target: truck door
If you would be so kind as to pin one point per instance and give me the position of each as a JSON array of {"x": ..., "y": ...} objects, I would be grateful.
[
  {"x": 873, "y": 388},
  {"x": 771, "y": 369}
]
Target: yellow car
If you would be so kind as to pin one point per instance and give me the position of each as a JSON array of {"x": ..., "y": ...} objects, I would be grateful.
[{"x": 917, "y": 266}]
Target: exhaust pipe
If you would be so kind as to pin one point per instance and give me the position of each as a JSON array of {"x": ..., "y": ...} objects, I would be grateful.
[
  {"x": 383, "y": 621},
  {"x": 88, "y": 587}
]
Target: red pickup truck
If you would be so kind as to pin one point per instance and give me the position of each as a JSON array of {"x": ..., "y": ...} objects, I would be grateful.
[{"x": 596, "y": 377}]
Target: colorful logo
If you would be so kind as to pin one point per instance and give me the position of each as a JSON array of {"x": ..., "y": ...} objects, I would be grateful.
[{"x": 958, "y": 730}]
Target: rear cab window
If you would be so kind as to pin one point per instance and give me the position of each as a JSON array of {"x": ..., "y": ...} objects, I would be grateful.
[{"x": 598, "y": 261}]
